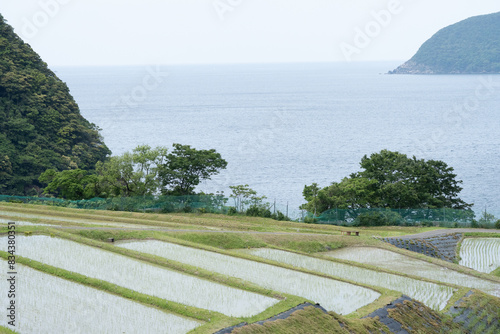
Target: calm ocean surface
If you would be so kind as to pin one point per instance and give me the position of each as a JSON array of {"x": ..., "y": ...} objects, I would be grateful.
[{"x": 282, "y": 126}]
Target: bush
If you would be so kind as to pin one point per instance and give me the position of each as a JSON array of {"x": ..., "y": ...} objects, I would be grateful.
[
  {"x": 232, "y": 211},
  {"x": 427, "y": 223},
  {"x": 310, "y": 220},
  {"x": 253, "y": 211},
  {"x": 497, "y": 224},
  {"x": 378, "y": 218},
  {"x": 266, "y": 213},
  {"x": 280, "y": 216}
]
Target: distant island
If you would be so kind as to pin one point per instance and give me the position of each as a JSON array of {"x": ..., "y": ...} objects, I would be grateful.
[{"x": 471, "y": 46}]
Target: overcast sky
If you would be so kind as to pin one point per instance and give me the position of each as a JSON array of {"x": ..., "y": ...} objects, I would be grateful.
[{"x": 138, "y": 32}]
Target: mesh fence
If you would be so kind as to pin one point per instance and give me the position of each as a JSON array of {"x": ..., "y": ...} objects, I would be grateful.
[
  {"x": 219, "y": 204},
  {"x": 165, "y": 204},
  {"x": 380, "y": 217}
]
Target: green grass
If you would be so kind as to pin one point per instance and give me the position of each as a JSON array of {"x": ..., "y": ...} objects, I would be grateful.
[
  {"x": 482, "y": 234},
  {"x": 4, "y": 330},
  {"x": 485, "y": 311},
  {"x": 308, "y": 320},
  {"x": 221, "y": 240}
]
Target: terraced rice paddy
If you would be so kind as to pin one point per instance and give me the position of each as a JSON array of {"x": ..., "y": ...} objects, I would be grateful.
[
  {"x": 408, "y": 265},
  {"x": 333, "y": 295},
  {"x": 21, "y": 223},
  {"x": 433, "y": 295},
  {"x": 481, "y": 254},
  {"x": 141, "y": 277},
  {"x": 48, "y": 304},
  {"x": 70, "y": 220}
]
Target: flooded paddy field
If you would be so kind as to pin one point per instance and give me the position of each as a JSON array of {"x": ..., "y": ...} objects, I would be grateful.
[
  {"x": 433, "y": 295},
  {"x": 333, "y": 295},
  {"x": 141, "y": 276},
  {"x": 481, "y": 254},
  {"x": 49, "y": 304},
  {"x": 408, "y": 265},
  {"x": 74, "y": 221}
]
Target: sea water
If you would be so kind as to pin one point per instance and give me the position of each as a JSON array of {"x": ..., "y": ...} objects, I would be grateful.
[{"x": 283, "y": 126}]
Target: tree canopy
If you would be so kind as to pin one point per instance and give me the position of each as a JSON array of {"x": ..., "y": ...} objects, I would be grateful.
[
  {"x": 390, "y": 180},
  {"x": 143, "y": 172},
  {"x": 40, "y": 124},
  {"x": 130, "y": 174},
  {"x": 185, "y": 167}
]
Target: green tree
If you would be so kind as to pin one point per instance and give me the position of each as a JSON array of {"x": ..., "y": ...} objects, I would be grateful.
[
  {"x": 390, "y": 180},
  {"x": 40, "y": 124},
  {"x": 404, "y": 182},
  {"x": 132, "y": 174},
  {"x": 244, "y": 196},
  {"x": 70, "y": 184},
  {"x": 185, "y": 167},
  {"x": 310, "y": 194},
  {"x": 487, "y": 220}
]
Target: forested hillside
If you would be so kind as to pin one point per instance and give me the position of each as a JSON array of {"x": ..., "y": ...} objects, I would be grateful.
[
  {"x": 40, "y": 123},
  {"x": 469, "y": 46}
]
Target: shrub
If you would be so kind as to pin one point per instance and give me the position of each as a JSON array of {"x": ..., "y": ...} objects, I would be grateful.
[
  {"x": 232, "y": 211},
  {"x": 266, "y": 213},
  {"x": 253, "y": 211},
  {"x": 280, "y": 216},
  {"x": 378, "y": 218},
  {"x": 310, "y": 220}
]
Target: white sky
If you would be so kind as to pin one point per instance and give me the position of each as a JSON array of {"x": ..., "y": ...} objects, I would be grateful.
[{"x": 138, "y": 32}]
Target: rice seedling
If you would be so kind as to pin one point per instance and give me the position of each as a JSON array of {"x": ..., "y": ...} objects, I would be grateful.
[
  {"x": 481, "y": 254},
  {"x": 141, "y": 277},
  {"x": 48, "y": 304},
  {"x": 432, "y": 295},
  {"x": 334, "y": 295},
  {"x": 71, "y": 220},
  {"x": 408, "y": 265},
  {"x": 21, "y": 223}
]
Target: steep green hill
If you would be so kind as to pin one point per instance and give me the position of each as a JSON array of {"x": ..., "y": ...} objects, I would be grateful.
[
  {"x": 467, "y": 47},
  {"x": 40, "y": 124}
]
